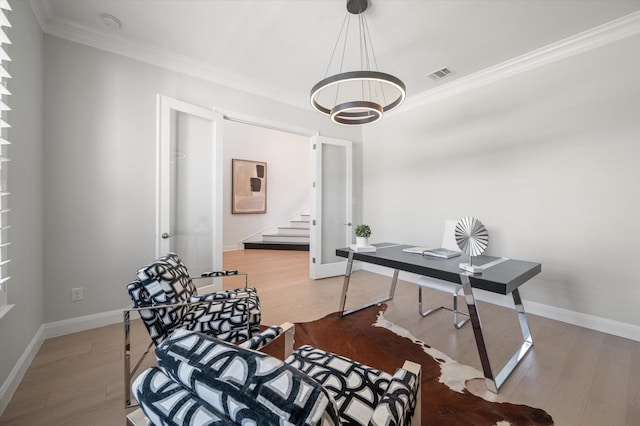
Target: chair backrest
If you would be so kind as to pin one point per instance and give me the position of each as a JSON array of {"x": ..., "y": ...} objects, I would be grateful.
[
  {"x": 243, "y": 385},
  {"x": 206, "y": 379},
  {"x": 449, "y": 235},
  {"x": 165, "y": 281}
]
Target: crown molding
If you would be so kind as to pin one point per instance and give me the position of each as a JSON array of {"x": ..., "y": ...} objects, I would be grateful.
[
  {"x": 42, "y": 11},
  {"x": 147, "y": 53},
  {"x": 615, "y": 30},
  {"x": 610, "y": 32}
]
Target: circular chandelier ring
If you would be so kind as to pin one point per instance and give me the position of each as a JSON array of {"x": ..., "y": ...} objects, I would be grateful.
[
  {"x": 351, "y": 76},
  {"x": 369, "y": 112}
]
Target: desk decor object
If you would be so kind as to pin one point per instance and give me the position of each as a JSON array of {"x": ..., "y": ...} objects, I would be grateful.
[
  {"x": 472, "y": 238},
  {"x": 433, "y": 252},
  {"x": 363, "y": 232}
]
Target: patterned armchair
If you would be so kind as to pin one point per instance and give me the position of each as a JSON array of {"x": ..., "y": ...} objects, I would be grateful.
[
  {"x": 166, "y": 299},
  {"x": 203, "y": 380}
]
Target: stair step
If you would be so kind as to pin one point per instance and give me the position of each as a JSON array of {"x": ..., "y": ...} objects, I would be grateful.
[
  {"x": 300, "y": 224},
  {"x": 285, "y": 238},
  {"x": 262, "y": 245},
  {"x": 285, "y": 230}
]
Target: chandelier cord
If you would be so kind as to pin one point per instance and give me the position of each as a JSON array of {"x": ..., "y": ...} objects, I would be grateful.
[
  {"x": 347, "y": 19},
  {"x": 375, "y": 60},
  {"x": 335, "y": 46},
  {"x": 364, "y": 56}
]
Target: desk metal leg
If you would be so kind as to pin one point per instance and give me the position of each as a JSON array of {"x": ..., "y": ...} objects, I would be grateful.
[
  {"x": 345, "y": 289},
  {"x": 494, "y": 382}
]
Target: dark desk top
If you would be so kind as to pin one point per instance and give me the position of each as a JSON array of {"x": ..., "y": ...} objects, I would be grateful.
[{"x": 502, "y": 278}]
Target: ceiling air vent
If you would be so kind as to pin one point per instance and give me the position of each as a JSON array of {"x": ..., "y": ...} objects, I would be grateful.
[{"x": 440, "y": 74}]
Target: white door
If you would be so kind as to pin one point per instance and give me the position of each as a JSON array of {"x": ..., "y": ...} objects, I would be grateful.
[
  {"x": 189, "y": 184},
  {"x": 331, "y": 205}
]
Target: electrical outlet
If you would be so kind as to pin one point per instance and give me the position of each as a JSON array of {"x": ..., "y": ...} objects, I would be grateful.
[{"x": 76, "y": 294}]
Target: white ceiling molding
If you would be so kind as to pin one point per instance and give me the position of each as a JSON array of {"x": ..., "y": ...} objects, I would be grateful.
[
  {"x": 152, "y": 55},
  {"x": 42, "y": 10},
  {"x": 618, "y": 29}
]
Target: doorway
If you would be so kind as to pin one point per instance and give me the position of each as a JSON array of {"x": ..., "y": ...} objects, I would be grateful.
[{"x": 194, "y": 199}]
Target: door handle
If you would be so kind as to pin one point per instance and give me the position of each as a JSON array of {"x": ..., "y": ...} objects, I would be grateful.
[{"x": 166, "y": 235}]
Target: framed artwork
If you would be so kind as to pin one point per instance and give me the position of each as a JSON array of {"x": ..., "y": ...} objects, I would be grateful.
[{"x": 249, "y": 186}]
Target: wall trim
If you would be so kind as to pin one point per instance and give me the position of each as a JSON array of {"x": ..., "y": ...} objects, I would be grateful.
[
  {"x": 592, "y": 322},
  {"x": 610, "y": 32},
  {"x": 147, "y": 53},
  {"x": 12, "y": 382},
  {"x": 87, "y": 322},
  {"x": 617, "y": 29}
]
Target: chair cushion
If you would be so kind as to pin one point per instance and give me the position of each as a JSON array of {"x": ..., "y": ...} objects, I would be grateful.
[
  {"x": 226, "y": 319},
  {"x": 247, "y": 303},
  {"x": 224, "y": 314},
  {"x": 165, "y": 402},
  {"x": 356, "y": 388},
  {"x": 244, "y": 385}
]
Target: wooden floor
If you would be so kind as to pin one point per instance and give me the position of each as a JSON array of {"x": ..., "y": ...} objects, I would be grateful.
[{"x": 579, "y": 376}]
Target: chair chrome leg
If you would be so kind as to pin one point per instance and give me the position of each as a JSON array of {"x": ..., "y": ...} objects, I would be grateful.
[
  {"x": 430, "y": 311},
  {"x": 457, "y": 324},
  {"x": 128, "y": 371}
]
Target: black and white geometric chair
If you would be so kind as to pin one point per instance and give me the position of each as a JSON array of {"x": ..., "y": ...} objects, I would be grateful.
[
  {"x": 205, "y": 381},
  {"x": 166, "y": 299}
]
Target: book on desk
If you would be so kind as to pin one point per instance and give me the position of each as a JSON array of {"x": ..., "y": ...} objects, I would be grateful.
[
  {"x": 433, "y": 252},
  {"x": 362, "y": 249}
]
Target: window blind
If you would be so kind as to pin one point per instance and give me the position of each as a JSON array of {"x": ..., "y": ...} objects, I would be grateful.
[{"x": 4, "y": 154}]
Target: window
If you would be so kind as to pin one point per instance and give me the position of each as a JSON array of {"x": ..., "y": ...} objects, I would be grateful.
[{"x": 4, "y": 157}]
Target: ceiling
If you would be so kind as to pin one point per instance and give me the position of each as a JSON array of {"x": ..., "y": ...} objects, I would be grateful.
[{"x": 281, "y": 48}]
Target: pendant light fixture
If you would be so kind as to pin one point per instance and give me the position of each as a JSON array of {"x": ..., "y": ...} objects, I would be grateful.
[{"x": 357, "y": 97}]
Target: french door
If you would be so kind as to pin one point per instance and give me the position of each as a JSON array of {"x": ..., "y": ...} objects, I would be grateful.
[
  {"x": 331, "y": 205},
  {"x": 189, "y": 184}
]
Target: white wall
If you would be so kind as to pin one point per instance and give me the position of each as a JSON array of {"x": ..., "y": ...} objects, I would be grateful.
[
  {"x": 20, "y": 329},
  {"x": 100, "y": 167},
  {"x": 549, "y": 160},
  {"x": 288, "y": 158}
]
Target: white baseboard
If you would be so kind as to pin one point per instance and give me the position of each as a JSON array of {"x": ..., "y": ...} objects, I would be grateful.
[
  {"x": 17, "y": 373},
  {"x": 604, "y": 325},
  {"x": 88, "y": 322}
]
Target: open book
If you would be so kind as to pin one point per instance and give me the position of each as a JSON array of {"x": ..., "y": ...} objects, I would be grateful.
[{"x": 435, "y": 252}]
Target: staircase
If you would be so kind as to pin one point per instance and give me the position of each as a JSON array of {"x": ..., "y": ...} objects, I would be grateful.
[{"x": 293, "y": 236}]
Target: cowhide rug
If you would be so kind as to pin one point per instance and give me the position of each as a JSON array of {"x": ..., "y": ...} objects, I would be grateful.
[{"x": 366, "y": 336}]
